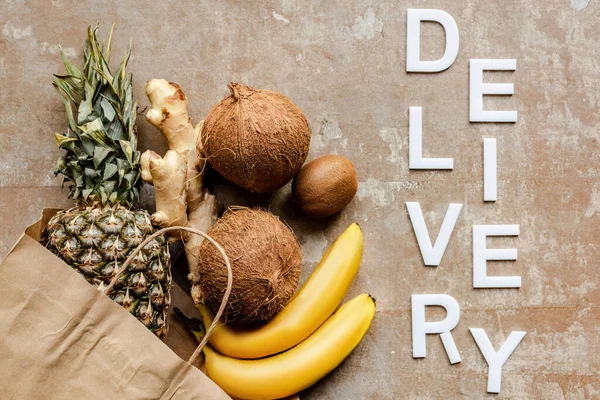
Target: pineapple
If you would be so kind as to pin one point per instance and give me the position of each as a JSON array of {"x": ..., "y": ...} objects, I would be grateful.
[{"x": 101, "y": 167}]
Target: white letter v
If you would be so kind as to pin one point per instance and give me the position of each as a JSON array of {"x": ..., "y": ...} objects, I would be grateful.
[{"x": 432, "y": 255}]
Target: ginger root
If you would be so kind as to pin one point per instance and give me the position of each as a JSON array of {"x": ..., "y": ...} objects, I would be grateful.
[{"x": 181, "y": 199}]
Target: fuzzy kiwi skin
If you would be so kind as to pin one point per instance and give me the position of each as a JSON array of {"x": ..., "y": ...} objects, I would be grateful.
[{"x": 325, "y": 186}]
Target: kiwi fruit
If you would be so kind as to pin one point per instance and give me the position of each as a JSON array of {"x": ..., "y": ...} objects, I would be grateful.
[{"x": 325, "y": 186}]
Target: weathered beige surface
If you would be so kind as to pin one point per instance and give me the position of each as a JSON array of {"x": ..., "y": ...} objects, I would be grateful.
[{"x": 344, "y": 65}]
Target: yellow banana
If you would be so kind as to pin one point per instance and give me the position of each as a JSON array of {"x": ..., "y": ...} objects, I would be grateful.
[
  {"x": 305, "y": 312},
  {"x": 296, "y": 369}
]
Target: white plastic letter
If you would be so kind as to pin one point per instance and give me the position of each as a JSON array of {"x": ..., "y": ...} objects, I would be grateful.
[
  {"x": 481, "y": 255},
  {"x": 415, "y": 144},
  {"x": 420, "y": 328},
  {"x": 478, "y": 89},
  {"x": 432, "y": 255},
  {"x": 490, "y": 173},
  {"x": 413, "y": 40},
  {"x": 496, "y": 360}
]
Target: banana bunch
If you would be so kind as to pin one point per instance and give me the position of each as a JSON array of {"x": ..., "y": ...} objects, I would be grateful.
[{"x": 304, "y": 342}]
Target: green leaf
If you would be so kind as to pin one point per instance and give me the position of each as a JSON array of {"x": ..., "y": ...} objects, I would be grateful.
[
  {"x": 73, "y": 83},
  {"x": 103, "y": 196},
  {"x": 100, "y": 153},
  {"x": 71, "y": 69},
  {"x": 135, "y": 194},
  {"x": 109, "y": 81},
  {"x": 105, "y": 69},
  {"x": 127, "y": 150},
  {"x": 90, "y": 172},
  {"x": 88, "y": 147},
  {"x": 113, "y": 197},
  {"x": 118, "y": 112},
  {"x": 67, "y": 90},
  {"x": 95, "y": 131},
  {"x": 129, "y": 177},
  {"x": 109, "y": 187},
  {"x": 92, "y": 126},
  {"x": 62, "y": 140},
  {"x": 120, "y": 74},
  {"x": 122, "y": 166},
  {"x": 109, "y": 42},
  {"x": 127, "y": 104},
  {"x": 107, "y": 109},
  {"x": 93, "y": 44},
  {"x": 74, "y": 164},
  {"x": 101, "y": 138},
  {"x": 137, "y": 157},
  {"x": 85, "y": 107},
  {"x": 72, "y": 146},
  {"x": 109, "y": 171},
  {"x": 86, "y": 193},
  {"x": 131, "y": 128},
  {"x": 61, "y": 165},
  {"x": 68, "y": 108}
]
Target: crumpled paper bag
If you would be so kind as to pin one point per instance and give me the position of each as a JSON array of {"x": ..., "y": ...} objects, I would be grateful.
[{"x": 60, "y": 338}]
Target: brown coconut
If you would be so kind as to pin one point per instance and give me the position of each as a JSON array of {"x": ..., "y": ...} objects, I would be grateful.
[
  {"x": 257, "y": 139},
  {"x": 266, "y": 263}
]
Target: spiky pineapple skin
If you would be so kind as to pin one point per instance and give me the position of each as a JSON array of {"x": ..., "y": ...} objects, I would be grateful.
[{"x": 96, "y": 241}]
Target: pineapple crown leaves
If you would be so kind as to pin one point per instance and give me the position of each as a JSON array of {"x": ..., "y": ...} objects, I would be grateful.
[{"x": 101, "y": 163}]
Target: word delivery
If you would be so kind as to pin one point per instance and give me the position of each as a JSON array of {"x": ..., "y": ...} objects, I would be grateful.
[{"x": 432, "y": 253}]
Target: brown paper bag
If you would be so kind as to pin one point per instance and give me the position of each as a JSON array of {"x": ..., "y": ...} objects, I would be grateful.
[{"x": 60, "y": 338}]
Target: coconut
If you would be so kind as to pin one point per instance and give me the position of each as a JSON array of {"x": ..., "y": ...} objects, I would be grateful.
[
  {"x": 257, "y": 139},
  {"x": 265, "y": 261}
]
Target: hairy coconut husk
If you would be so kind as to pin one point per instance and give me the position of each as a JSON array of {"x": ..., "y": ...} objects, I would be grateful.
[
  {"x": 265, "y": 260},
  {"x": 257, "y": 139}
]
